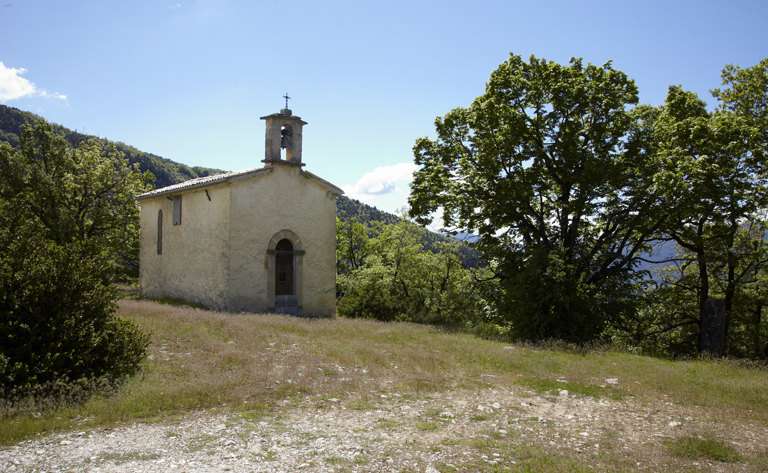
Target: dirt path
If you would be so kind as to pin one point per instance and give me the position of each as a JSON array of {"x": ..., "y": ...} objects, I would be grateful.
[{"x": 490, "y": 429}]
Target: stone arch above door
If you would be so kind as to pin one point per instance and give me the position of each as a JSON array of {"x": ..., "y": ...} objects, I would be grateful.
[
  {"x": 283, "y": 304},
  {"x": 289, "y": 235}
]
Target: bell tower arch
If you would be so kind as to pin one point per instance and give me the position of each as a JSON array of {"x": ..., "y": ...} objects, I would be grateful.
[{"x": 284, "y": 131}]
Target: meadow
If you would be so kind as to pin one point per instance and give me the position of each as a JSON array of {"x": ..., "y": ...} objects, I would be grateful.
[{"x": 640, "y": 411}]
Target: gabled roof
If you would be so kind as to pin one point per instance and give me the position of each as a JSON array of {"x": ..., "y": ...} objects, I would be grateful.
[
  {"x": 322, "y": 182},
  {"x": 226, "y": 178}
]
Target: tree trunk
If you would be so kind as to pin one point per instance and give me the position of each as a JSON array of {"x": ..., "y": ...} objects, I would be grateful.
[
  {"x": 713, "y": 327},
  {"x": 704, "y": 314},
  {"x": 756, "y": 335}
]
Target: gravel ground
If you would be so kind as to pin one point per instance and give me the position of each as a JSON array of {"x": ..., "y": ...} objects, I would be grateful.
[{"x": 441, "y": 432}]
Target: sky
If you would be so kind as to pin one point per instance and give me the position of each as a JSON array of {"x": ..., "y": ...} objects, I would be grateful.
[{"x": 189, "y": 79}]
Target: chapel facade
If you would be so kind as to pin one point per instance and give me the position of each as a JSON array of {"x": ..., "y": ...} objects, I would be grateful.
[{"x": 257, "y": 240}]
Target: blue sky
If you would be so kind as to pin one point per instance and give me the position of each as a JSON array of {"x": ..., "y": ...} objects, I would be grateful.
[{"x": 189, "y": 79}]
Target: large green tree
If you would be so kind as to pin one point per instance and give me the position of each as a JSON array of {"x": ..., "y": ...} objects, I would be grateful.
[
  {"x": 539, "y": 168},
  {"x": 712, "y": 165},
  {"x": 68, "y": 224},
  {"x": 83, "y": 194}
]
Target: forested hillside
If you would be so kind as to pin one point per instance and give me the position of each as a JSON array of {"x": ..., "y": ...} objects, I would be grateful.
[{"x": 166, "y": 171}]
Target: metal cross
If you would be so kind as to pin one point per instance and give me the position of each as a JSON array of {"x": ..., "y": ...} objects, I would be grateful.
[{"x": 286, "y": 99}]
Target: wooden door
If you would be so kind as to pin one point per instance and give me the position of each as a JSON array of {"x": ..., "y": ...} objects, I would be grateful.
[{"x": 284, "y": 268}]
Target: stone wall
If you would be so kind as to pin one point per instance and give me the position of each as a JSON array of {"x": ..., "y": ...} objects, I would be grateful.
[
  {"x": 262, "y": 207},
  {"x": 194, "y": 262},
  {"x": 220, "y": 254}
]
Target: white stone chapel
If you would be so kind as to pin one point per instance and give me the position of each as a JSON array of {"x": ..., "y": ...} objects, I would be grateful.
[{"x": 258, "y": 240}]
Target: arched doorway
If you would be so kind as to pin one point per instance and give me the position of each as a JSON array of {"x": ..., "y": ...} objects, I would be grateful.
[
  {"x": 284, "y": 280},
  {"x": 284, "y": 266}
]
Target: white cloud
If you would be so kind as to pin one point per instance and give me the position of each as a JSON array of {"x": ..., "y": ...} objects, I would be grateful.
[
  {"x": 384, "y": 180},
  {"x": 13, "y": 86}
]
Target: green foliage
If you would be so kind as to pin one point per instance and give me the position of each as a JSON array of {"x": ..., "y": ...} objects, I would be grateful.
[
  {"x": 68, "y": 224},
  {"x": 83, "y": 195},
  {"x": 711, "y": 168},
  {"x": 166, "y": 172},
  {"x": 384, "y": 273},
  {"x": 56, "y": 314},
  {"x": 537, "y": 168},
  {"x": 668, "y": 324},
  {"x": 348, "y": 209},
  {"x": 569, "y": 189}
]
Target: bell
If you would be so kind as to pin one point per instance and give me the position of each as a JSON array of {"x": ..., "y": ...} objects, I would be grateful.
[{"x": 285, "y": 141}]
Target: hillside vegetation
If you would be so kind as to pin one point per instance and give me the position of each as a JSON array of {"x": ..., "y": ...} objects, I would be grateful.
[
  {"x": 348, "y": 209},
  {"x": 166, "y": 171}
]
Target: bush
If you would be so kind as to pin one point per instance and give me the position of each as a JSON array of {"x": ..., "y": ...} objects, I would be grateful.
[
  {"x": 391, "y": 277},
  {"x": 57, "y": 322}
]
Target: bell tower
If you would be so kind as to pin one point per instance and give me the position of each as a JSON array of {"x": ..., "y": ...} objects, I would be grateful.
[{"x": 284, "y": 131}]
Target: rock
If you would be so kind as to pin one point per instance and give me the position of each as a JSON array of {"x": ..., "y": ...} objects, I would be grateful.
[
  {"x": 612, "y": 381},
  {"x": 563, "y": 392},
  {"x": 446, "y": 415},
  {"x": 674, "y": 423}
]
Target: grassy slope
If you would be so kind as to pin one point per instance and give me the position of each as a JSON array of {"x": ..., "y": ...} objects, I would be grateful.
[{"x": 202, "y": 359}]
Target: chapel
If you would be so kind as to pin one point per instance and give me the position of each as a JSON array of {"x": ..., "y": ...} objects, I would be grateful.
[{"x": 257, "y": 240}]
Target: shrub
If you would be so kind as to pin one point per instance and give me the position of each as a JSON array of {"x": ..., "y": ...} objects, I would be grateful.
[{"x": 57, "y": 322}]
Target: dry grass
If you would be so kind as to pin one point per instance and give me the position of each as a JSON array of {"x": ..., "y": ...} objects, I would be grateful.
[{"x": 260, "y": 364}]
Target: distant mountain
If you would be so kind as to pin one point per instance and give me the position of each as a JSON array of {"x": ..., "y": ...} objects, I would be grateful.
[
  {"x": 166, "y": 171},
  {"x": 468, "y": 237}
]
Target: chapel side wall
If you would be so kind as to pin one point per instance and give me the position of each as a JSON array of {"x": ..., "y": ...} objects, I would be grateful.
[
  {"x": 194, "y": 262},
  {"x": 283, "y": 200},
  {"x": 151, "y": 282}
]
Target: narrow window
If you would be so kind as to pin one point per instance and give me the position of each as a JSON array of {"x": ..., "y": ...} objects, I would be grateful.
[
  {"x": 177, "y": 210},
  {"x": 160, "y": 232}
]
